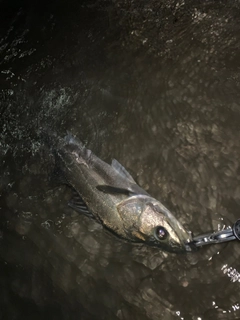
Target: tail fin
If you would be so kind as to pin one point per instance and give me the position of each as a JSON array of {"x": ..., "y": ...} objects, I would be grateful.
[{"x": 70, "y": 139}]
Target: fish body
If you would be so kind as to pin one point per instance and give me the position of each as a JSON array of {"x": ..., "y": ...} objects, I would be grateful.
[{"x": 109, "y": 194}]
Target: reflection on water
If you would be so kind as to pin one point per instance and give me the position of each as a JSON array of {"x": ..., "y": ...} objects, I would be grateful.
[{"x": 155, "y": 86}]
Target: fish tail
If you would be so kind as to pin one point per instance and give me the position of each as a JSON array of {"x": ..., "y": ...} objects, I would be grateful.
[{"x": 70, "y": 139}]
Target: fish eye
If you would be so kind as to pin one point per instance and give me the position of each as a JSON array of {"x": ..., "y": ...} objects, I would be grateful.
[{"x": 161, "y": 233}]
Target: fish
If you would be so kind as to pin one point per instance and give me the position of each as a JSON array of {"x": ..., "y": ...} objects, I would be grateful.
[{"x": 109, "y": 194}]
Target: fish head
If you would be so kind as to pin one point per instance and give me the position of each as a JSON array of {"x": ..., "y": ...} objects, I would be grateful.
[{"x": 146, "y": 220}]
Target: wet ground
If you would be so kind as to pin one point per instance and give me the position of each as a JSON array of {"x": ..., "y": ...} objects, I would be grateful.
[{"x": 155, "y": 85}]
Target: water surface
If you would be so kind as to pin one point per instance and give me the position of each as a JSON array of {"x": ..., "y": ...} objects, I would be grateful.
[{"x": 154, "y": 85}]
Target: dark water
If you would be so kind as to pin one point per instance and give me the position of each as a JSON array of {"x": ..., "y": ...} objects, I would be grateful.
[{"x": 155, "y": 85}]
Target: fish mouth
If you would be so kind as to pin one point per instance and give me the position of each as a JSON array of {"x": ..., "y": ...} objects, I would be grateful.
[
  {"x": 189, "y": 246},
  {"x": 182, "y": 246},
  {"x": 185, "y": 238}
]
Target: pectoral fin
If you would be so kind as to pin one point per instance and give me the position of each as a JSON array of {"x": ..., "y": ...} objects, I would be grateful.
[
  {"x": 79, "y": 205},
  {"x": 114, "y": 190}
]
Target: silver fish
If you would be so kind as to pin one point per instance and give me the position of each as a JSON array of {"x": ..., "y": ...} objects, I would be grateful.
[{"x": 109, "y": 194}]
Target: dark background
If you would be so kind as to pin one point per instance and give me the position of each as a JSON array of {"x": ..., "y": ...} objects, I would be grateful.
[{"x": 153, "y": 84}]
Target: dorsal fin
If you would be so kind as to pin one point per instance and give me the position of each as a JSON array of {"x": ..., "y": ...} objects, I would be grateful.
[{"x": 122, "y": 171}]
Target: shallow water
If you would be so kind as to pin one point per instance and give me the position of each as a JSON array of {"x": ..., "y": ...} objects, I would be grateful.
[{"x": 155, "y": 86}]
